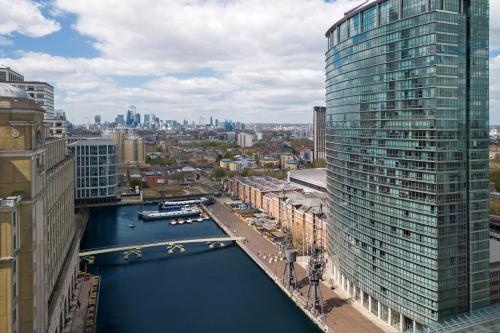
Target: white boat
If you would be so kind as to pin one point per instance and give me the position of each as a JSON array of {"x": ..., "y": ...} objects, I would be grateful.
[
  {"x": 189, "y": 221},
  {"x": 131, "y": 226},
  {"x": 199, "y": 219},
  {"x": 185, "y": 212},
  {"x": 169, "y": 204},
  {"x": 181, "y": 222},
  {"x": 173, "y": 223}
]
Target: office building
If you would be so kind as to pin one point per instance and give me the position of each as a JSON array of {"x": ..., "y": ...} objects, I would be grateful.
[
  {"x": 245, "y": 140},
  {"x": 203, "y": 121},
  {"x": 8, "y": 75},
  {"x": 407, "y": 158},
  {"x": 41, "y": 92},
  {"x": 58, "y": 125},
  {"x": 147, "y": 120},
  {"x": 97, "y": 119},
  {"x": 39, "y": 244},
  {"x": 319, "y": 126},
  {"x": 137, "y": 119},
  {"x": 96, "y": 170},
  {"x": 120, "y": 120}
]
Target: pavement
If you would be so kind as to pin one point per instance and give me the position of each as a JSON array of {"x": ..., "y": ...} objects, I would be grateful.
[
  {"x": 83, "y": 306},
  {"x": 342, "y": 315}
]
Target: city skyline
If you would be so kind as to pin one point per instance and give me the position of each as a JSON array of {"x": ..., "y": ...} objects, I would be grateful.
[{"x": 238, "y": 67}]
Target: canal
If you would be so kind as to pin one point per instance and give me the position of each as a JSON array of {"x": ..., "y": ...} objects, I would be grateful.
[{"x": 201, "y": 290}]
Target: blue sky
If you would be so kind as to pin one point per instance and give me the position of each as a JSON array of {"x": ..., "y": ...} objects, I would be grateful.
[{"x": 253, "y": 60}]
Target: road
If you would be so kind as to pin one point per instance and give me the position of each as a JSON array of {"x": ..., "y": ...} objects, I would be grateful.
[{"x": 341, "y": 314}]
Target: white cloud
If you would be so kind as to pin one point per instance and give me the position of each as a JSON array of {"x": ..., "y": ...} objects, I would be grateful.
[
  {"x": 25, "y": 17},
  {"x": 267, "y": 56}
]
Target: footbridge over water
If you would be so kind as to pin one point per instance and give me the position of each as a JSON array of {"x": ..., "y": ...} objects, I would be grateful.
[{"x": 170, "y": 245}]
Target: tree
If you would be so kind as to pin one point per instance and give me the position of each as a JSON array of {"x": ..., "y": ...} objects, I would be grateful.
[
  {"x": 228, "y": 155},
  {"x": 319, "y": 163},
  {"x": 218, "y": 173},
  {"x": 247, "y": 172},
  {"x": 135, "y": 182}
]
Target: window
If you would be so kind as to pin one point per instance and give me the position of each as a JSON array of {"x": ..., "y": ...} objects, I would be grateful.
[
  {"x": 413, "y": 7},
  {"x": 369, "y": 18}
]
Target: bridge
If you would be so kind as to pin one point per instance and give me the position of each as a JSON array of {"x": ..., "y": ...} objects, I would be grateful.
[{"x": 171, "y": 246}]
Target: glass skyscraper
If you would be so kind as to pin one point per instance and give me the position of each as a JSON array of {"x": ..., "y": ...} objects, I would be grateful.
[{"x": 407, "y": 154}]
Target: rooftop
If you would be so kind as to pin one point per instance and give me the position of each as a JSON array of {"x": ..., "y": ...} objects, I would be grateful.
[
  {"x": 313, "y": 176},
  {"x": 92, "y": 142},
  {"x": 9, "y": 91}
]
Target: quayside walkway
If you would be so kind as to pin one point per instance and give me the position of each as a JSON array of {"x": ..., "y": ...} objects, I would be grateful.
[
  {"x": 341, "y": 315},
  {"x": 170, "y": 244}
]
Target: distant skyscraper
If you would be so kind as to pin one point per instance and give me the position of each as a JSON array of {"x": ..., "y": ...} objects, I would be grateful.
[
  {"x": 319, "y": 126},
  {"x": 203, "y": 121},
  {"x": 130, "y": 116},
  {"x": 137, "y": 119},
  {"x": 120, "y": 120},
  {"x": 216, "y": 122},
  {"x": 97, "y": 119},
  {"x": 211, "y": 121},
  {"x": 146, "y": 119},
  {"x": 407, "y": 145}
]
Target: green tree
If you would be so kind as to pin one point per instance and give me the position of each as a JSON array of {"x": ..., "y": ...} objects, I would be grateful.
[
  {"x": 319, "y": 163},
  {"x": 247, "y": 172},
  {"x": 218, "y": 173},
  {"x": 135, "y": 182},
  {"x": 228, "y": 155}
]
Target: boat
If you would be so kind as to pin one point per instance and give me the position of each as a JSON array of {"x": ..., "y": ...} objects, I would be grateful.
[
  {"x": 181, "y": 222},
  {"x": 173, "y": 223},
  {"x": 141, "y": 213},
  {"x": 189, "y": 221},
  {"x": 131, "y": 226},
  {"x": 172, "y": 205},
  {"x": 199, "y": 219},
  {"x": 185, "y": 212}
]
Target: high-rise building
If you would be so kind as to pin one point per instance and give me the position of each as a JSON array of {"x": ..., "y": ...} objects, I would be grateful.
[
  {"x": 120, "y": 120},
  {"x": 245, "y": 140},
  {"x": 130, "y": 118},
  {"x": 319, "y": 126},
  {"x": 96, "y": 169},
  {"x": 407, "y": 147},
  {"x": 137, "y": 119},
  {"x": 203, "y": 121},
  {"x": 39, "y": 244},
  {"x": 97, "y": 119},
  {"x": 147, "y": 120}
]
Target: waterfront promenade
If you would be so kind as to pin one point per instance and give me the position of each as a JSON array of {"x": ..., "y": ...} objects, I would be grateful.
[{"x": 341, "y": 314}]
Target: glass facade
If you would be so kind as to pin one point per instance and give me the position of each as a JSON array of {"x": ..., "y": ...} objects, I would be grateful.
[
  {"x": 407, "y": 155},
  {"x": 96, "y": 169}
]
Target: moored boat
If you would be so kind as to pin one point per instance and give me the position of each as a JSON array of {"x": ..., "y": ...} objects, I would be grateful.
[{"x": 185, "y": 212}]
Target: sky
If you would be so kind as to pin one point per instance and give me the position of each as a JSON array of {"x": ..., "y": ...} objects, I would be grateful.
[{"x": 246, "y": 60}]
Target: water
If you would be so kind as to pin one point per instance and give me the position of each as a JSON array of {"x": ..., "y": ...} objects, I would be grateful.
[{"x": 202, "y": 290}]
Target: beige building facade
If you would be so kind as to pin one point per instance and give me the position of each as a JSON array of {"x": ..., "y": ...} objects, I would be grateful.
[{"x": 39, "y": 247}]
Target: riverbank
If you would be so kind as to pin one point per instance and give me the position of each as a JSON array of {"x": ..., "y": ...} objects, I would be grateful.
[{"x": 340, "y": 314}]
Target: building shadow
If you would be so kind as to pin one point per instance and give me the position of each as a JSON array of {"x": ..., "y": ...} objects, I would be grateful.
[{"x": 334, "y": 303}]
